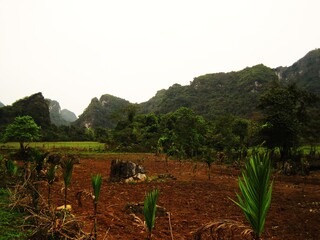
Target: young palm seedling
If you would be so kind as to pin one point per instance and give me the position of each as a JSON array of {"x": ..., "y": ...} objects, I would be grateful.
[
  {"x": 12, "y": 167},
  {"x": 67, "y": 166},
  {"x": 256, "y": 190},
  {"x": 96, "y": 184},
  {"x": 150, "y": 209},
  {"x": 51, "y": 173}
]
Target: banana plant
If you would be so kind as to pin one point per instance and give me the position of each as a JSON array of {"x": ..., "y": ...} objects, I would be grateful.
[
  {"x": 256, "y": 189},
  {"x": 96, "y": 181},
  {"x": 150, "y": 209}
]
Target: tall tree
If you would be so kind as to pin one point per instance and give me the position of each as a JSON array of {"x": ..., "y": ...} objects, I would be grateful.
[
  {"x": 285, "y": 112},
  {"x": 22, "y": 130}
]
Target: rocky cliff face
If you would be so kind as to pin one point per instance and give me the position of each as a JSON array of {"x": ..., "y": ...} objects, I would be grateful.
[
  {"x": 68, "y": 115},
  {"x": 104, "y": 112},
  {"x": 305, "y": 72},
  {"x": 60, "y": 117},
  {"x": 35, "y": 106}
]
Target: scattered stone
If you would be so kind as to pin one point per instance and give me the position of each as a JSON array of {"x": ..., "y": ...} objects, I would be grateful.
[
  {"x": 140, "y": 177},
  {"x": 121, "y": 170},
  {"x": 68, "y": 208}
]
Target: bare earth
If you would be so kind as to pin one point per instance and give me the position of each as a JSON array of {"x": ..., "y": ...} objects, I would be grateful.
[{"x": 192, "y": 200}]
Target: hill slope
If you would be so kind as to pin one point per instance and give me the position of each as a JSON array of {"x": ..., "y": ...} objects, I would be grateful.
[
  {"x": 35, "y": 106},
  {"x": 60, "y": 117},
  {"x": 235, "y": 93},
  {"x": 305, "y": 72},
  {"x": 216, "y": 94},
  {"x": 104, "y": 112}
]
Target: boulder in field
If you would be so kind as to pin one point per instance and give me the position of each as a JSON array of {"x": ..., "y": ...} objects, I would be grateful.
[{"x": 122, "y": 170}]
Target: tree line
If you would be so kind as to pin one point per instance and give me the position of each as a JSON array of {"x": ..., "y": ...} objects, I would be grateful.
[{"x": 287, "y": 117}]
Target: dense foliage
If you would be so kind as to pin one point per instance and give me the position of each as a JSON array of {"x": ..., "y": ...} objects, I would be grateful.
[
  {"x": 22, "y": 130},
  {"x": 285, "y": 111},
  {"x": 104, "y": 112},
  {"x": 212, "y": 95}
]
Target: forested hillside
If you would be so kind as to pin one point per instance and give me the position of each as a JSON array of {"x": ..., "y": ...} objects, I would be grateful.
[
  {"x": 60, "y": 117},
  {"x": 305, "y": 72},
  {"x": 213, "y": 95},
  {"x": 104, "y": 112},
  {"x": 210, "y": 95},
  {"x": 35, "y": 106}
]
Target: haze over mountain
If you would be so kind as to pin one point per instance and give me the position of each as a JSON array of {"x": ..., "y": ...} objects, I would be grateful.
[
  {"x": 60, "y": 117},
  {"x": 210, "y": 95},
  {"x": 35, "y": 106},
  {"x": 104, "y": 112},
  {"x": 1, "y": 104},
  {"x": 43, "y": 111}
]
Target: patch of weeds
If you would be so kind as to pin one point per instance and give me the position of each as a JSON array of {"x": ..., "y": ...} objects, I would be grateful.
[
  {"x": 161, "y": 178},
  {"x": 10, "y": 220},
  {"x": 132, "y": 182}
]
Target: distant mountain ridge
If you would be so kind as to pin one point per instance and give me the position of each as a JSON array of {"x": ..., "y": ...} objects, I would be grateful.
[
  {"x": 215, "y": 94},
  {"x": 34, "y": 106},
  {"x": 305, "y": 72},
  {"x": 60, "y": 117},
  {"x": 43, "y": 111},
  {"x": 104, "y": 112},
  {"x": 1, "y": 104},
  {"x": 210, "y": 95}
]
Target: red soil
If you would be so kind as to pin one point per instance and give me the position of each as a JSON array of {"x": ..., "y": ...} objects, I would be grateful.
[{"x": 192, "y": 200}]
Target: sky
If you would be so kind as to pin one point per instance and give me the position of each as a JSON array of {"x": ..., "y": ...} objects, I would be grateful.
[{"x": 75, "y": 50}]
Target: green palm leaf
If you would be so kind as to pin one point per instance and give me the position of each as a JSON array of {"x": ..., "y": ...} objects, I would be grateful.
[
  {"x": 256, "y": 191},
  {"x": 96, "y": 181},
  {"x": 150, "y": 208}
]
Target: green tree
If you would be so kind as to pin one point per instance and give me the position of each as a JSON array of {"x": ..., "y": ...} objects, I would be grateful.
[
  {"x": 185, "y": 132},
  {"x": 285, "y": 113},
  {"x": 22, "y": 130}
]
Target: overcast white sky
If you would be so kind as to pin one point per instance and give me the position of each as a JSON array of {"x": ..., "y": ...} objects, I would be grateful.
[{"x": 72, "y": 51}]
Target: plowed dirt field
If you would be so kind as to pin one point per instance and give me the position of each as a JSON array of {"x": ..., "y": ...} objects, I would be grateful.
[{"x": 192, "y": 200}]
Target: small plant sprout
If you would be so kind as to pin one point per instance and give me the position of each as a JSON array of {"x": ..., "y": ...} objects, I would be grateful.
[
  {"x": 51, "y": 173},
  {"x": 256, "y": 190},
  {"x": 96, "y": 184},
  {"x": 12, "y": 167},
  {"x": 150, "y": 209},
  {"x": 209, "y": 160},
  {"x": 67, "y": 166}
]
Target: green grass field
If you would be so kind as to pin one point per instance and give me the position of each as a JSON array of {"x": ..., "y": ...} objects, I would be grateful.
[{"x": 84, "y": 146}]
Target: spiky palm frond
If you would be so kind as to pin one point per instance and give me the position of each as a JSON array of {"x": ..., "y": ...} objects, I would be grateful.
[
  {"x": 67, "y": 166},
  {"x": 51, "y": 173},
  {"x": 256, "y": 190},
  {"x": 150, "y": 208},
  {"x": 96, "y": 181}
]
